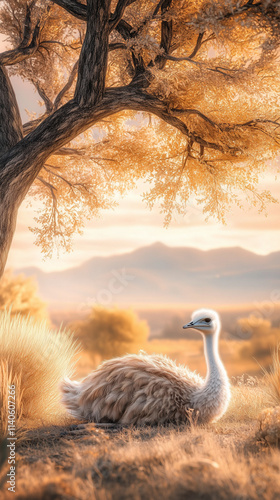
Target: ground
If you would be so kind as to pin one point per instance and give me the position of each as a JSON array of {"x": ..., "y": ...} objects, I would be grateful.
[{"x": 221, "y": 461}]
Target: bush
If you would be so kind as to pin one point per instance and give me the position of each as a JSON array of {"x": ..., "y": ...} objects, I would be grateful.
[
  {"x": 263, "y": 337},
  {"x": 112, "y": 332},
  {"x": 34, "y": 358},
  {"x": 19, "y": 294}
]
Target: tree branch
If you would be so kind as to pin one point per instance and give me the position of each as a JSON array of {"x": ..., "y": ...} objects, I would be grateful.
[
  {"x": 67, "y": 86},
  {"x": 119, "y": 12},
  {"x": 128, "y": 33},
  {"x": 30, "y": 41},
  {"x": 166, "y": 34},
  {"x": 94, "y": 54},
  {"x": 27, "y": 157},
  {"x": 218, "y": 69},
  {"x": 27, "y": 32},
  {"x": 194, "y": 112},
  {"x": 197, "y": 45},
  {"x": 43, "y": 95},
  {"x": 249, "y": 5},
  {"x": 22, "y": 52},
  {"x": 77, "y": 9},
  {"x": 116, "y": 46},
  {"x": 70, "y": 152}
]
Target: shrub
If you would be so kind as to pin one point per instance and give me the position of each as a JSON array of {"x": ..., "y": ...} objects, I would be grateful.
[
  {"x": 34, "y": 358},
  {"x": 19, "y": 294},
  {"x": 112, "y": 332},
  {"x": 263, "y": 337}
]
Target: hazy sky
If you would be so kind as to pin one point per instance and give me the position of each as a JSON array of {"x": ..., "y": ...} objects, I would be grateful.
[{"x": 132, "y": 225}]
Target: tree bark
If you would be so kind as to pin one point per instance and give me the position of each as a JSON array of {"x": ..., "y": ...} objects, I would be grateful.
[
  {"x": 94, "y": 54},
  {"x": 10, "y": 121}
]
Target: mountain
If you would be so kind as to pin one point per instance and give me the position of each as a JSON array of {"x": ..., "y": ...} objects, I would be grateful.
[{"x": 159, "y": 274}]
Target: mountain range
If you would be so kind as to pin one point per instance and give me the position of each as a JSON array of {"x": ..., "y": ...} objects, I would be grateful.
[{"x": 162, "y": 275}]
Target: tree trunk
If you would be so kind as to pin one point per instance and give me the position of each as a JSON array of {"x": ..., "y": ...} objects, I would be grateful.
[
  {"x": 10, "y": 121},
  {"x": 21, "y": 159},
  {"x": 10, "y": 134}
]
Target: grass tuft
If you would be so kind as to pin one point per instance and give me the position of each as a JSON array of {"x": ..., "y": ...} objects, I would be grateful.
[
  {"x": 272, "y": 378},
  {"x": 34, "y": 359},
  {"x": 248, "y": 399}
]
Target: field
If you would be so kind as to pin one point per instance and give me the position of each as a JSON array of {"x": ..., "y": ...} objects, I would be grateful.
[
  {"x": 58, "y": 457},
  {"x": 225, "y": 460}
]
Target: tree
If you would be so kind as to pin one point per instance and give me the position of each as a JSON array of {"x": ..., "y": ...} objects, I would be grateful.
[
  {"x": 180, "y": 93},
  {"x": 19, "y": 294},
  {"x": 262, "y": 337},
  {"x": 111, "y": 332}
]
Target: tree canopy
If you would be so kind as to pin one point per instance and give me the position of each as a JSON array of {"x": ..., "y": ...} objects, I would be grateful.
[{"x": 181, "y": 94}]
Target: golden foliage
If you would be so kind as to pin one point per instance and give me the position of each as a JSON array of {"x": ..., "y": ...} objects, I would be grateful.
[
  {"x": 19, "y": 294},
  {"x": 111, "y": 332},
  {"x": 33, "y": 358}
]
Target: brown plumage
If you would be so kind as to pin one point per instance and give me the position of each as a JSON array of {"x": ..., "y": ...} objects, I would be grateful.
[{"x": 142, "y": 389}]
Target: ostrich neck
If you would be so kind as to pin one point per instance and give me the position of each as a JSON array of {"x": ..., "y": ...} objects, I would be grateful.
[
  {"x": 215, "y": 369},
  {"x": 212, "y": 397}
]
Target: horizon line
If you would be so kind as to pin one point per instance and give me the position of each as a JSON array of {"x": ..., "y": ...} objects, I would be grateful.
[{"x": 128, "y": 252}]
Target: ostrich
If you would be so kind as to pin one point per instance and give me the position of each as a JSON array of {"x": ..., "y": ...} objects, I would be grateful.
[{"x": 151, "y": 389}]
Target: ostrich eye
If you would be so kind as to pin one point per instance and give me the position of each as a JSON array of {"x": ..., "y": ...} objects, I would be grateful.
[{"x": 207, "y": 320}]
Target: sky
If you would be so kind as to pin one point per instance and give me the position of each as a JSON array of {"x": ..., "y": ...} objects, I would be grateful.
[{"x": 132, "y": 225}]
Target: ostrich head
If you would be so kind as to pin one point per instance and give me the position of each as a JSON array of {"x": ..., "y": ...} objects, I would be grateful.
[{"x": 206, "y": 321}]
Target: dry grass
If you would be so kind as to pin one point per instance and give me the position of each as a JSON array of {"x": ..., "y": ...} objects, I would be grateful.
[
  {"x": 33, "y": 358},
  {"x": 248, "y": 399},
  {"x": 7, "y": 379},
  {"x": 206, "y": 463},
  {"x": 272, "y": 378},
  {"x": 222, "y": 461},
  {"x": 269, "y": 429}
]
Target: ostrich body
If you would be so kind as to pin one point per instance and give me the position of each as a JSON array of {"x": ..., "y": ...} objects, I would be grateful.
[{"x": 152, "y": 390}]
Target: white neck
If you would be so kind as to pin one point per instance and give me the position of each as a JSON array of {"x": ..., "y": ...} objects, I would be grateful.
[
  {"x": 215, "y": 367},
  {"x": 211, "y": 399}
]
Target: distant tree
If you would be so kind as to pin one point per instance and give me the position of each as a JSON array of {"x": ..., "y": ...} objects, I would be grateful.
[
  {"x": 112, "y": 332},
  {"x": 182, "y": 93},
  {"x": 262, "y": 336},
  {"x": 20, "y": 294}
]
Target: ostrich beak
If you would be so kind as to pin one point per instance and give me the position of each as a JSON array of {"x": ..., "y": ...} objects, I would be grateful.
[{"x": 189, "y": 325}]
